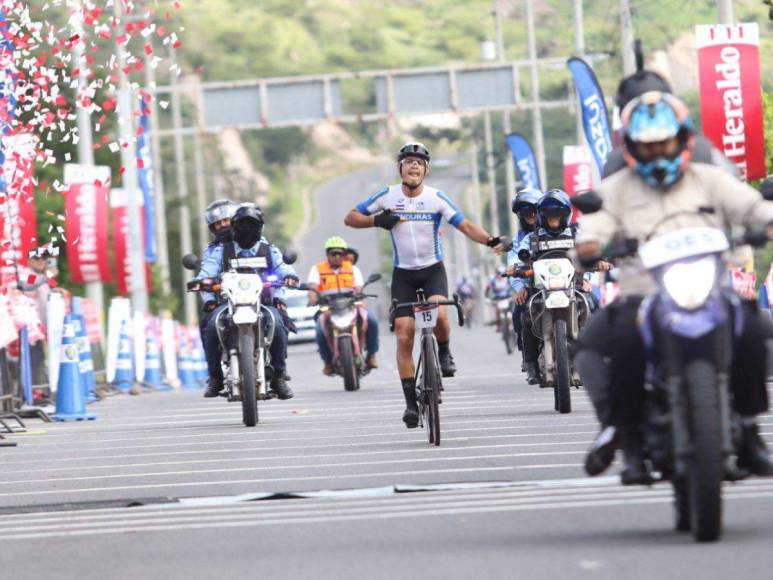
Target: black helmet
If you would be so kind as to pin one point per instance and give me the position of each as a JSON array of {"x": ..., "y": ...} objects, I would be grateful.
[
  {"x": 555, "y": 203},
  {"x": 247, "y": 225},
  {"x": 413, "y": 150},
  {"x": 637, "y": 84}
]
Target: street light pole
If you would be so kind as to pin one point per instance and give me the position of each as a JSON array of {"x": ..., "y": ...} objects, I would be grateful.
[
  {"x": 492, "y": 174},
  {"x": 539, "y": 138},
  {"x": 138, "y": 290},
  {"x": 579, "y": 51},
  {"x": 626, "y": 38},
  {"x": 725, "y": 8},
  {"x": 506, "y": 127}
]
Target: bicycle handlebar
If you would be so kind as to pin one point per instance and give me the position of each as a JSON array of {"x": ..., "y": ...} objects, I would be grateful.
[{"x": 455, "y": 302}]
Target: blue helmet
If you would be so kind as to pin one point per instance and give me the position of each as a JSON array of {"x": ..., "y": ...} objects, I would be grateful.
[
  {"x": 554, "y": 203},
  {"x": 651, "y": 118},
  {"x": 526, "y": 199}
]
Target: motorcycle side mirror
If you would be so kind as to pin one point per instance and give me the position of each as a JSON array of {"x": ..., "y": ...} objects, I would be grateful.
[
  {"x": 191, "y": 262},
  {"x": 588, "y": 202},
  {"x": 767, "y": 189},
  {"x": 524, "y": 255},
  {"x": 373, "y": 278},
  {"x": 290, "y": 256},
  {"x": 756, "y": 237}
]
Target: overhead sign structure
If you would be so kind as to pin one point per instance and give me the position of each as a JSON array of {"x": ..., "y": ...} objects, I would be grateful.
[{"x": 731, "y": 98}]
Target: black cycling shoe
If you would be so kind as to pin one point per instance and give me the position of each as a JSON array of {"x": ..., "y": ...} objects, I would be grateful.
[
  {"x": 447, "y": 366},
  {"x": 602, "y": 451},
  {"x": 281, "y": 388},
  {"x": 411, "y": 417},
  {"x": 753, "y": 454},
  {"x": 214, "y": 387},
  {"x": 532, "y": 373}
]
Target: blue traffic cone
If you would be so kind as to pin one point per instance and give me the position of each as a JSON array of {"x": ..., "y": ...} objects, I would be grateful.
[
  {"x": 152, "y": 374},
  {"x": 25, "y": 366},
  {"x": 185, "y": 364},
  {"x": 86, "y": 364},
  {"x": 124, "y": 368},
  {"x": 70, "y": 404}
]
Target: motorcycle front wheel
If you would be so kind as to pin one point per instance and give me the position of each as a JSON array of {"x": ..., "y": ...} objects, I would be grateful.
[
  {"x": 563, "y": 372},
  {"x": 247, "y": 368},
  {"x": 348, "y": 363}
]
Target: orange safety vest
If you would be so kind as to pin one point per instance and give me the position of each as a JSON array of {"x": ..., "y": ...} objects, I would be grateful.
[{"x": 329, "y": 279}]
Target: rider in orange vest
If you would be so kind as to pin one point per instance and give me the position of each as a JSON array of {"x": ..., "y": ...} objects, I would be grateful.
[{"x": 337, "y": 273}]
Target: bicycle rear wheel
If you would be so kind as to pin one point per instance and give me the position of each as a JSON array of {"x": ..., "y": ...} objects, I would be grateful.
[{"x": 431, "y": 388}]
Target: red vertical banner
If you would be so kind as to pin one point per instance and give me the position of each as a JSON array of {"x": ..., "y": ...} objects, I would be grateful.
[
  {"x": 85, "y": 228},
  {"x": 578, "y": 171},
  {"x": 122, "y": 242},
  {"x": 731, "y": 94},
  {"x": 18, "y": 222}
]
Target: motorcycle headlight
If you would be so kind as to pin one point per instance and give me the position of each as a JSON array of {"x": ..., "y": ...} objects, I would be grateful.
[
  {"x": 343, "y": 320},
  {"x": 690, "y": 283}
]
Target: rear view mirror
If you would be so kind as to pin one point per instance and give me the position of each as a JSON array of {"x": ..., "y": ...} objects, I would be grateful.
[
  {"x": 767, "y": 189},
  {"x": 373, "y": 278},
  {"x": 191, "y": 262},
  {"x": 756, "y": 237},
  {"x": 524, "y": 255},
  {"x": 588, "y": 202},
  {"x": 290, "y": 256}
]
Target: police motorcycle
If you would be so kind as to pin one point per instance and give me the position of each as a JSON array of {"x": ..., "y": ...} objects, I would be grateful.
[
  {"x": 240, "y": 328},
  {"x": 344, "y": 323},
  {"x": 691, "y": 432},
  {"x": 557, "y": 310}
]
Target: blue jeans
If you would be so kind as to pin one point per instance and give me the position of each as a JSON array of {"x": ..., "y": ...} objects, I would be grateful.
[
  {"x": 371, "y": 339},
  {"x": 517, "y": 312},
  {"x": 278, "y": 348}
]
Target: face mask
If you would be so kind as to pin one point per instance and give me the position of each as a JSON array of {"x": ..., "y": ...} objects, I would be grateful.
[
  {"x": 661, "y": 172},
  {"x": 224, "y": 236}
]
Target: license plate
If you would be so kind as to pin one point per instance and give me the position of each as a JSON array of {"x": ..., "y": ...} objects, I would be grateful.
[
  {"x": 556, "y": 245},
  {"x": 255, "y": 262},
  {"x": 426, "y": 315}
]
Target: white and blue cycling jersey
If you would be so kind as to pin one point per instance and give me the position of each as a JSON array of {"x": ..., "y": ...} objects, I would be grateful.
[{"x": 416, "y": 237}]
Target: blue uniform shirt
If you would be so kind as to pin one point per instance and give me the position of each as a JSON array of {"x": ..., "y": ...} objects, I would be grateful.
[
  {"x": 212, "y": 260},
  {"x": 524, "y": 243}
]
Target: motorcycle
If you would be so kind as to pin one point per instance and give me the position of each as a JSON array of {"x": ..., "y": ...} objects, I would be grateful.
[
  {"x": 344, "y": 323},
  {"x": 557, "y": 311},
  {"x": 688, "y": 325},
  {"x": 240, "y": 329},
  {"x": 505, "y": 307}
]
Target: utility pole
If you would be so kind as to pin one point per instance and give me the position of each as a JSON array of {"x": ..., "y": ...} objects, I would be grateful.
[
  {"x": 198, "y": 163},
  {"x": 186, "y": 243},
  {"x": 158, "y": 180},
  {"x": 725, "y": 11},
  {"x": 579, "y": 50},
  {"x": 94, "y": 290},
  {"x": 481, "y": 264},
  {"x": 539, "y": 137},
  {"x": 126, "y": 101},
  {"x": 492, "y": 174},
  {"x": 626, "y": 38},
  {"x": 506, "y": 127}
]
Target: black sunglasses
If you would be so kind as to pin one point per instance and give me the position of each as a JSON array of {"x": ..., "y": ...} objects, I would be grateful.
[{"x": 335, "y": 253}]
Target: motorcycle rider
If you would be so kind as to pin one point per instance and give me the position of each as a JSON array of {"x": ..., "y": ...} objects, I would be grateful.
[
  {"x": 218, "y": 216},
  {"x": 247, "y": 229},
  {"x": 524, "y": 206},
  {"x": 498, "y": 288},
  {"x": 661, "y": 179},
  {"x": 334, "y": 274},
  {"x": 412, "y": 212},
  {"x": 352, "y": 255}
]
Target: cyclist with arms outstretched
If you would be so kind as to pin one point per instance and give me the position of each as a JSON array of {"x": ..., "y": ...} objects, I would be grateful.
[{"x": 412, "y": 212}]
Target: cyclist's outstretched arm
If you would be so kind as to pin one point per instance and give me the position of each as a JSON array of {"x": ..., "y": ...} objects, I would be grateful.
[{"x": 473, "y": 231}]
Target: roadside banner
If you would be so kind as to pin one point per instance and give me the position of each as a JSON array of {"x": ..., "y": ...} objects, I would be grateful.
[
  {"x": 122, "y": 241},
  {"x": 18, "y": 222},
  {"x": 578, "y": 171},
  {"x": 595, "y": 119},
  {"x": 146, "y": 182},
  {"x": 525, "y": 162},
  {"x": 55, "y": 311},
  {"x": 731, "y": 94},
  {"x": 85, "y": 226},
  {"x": 169, "y": 349}
]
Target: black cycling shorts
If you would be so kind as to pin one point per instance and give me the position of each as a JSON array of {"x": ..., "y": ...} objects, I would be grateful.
[{"x": 406, "y": 282}]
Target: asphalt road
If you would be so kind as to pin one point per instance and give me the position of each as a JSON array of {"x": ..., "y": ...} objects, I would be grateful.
[{"x": 503, "y": 496}]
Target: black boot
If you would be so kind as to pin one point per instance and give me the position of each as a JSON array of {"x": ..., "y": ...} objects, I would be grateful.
[
  {"x": 602, "y": 451},
  {"x": 753, "y": 454},
  {"x": 281, "y": 388},
  {"x": 214, "y": 386},
  {"x": 532, "y": 373},
  {"x": 411, "y": 414},
  {"x": 635, "y": 471}
]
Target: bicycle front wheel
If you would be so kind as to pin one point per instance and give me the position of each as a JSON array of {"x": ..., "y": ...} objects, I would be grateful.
[{"x": 432, "y": 386}]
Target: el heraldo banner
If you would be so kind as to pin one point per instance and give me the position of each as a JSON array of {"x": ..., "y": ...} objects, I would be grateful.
[{"x": 731, "y": 101}]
